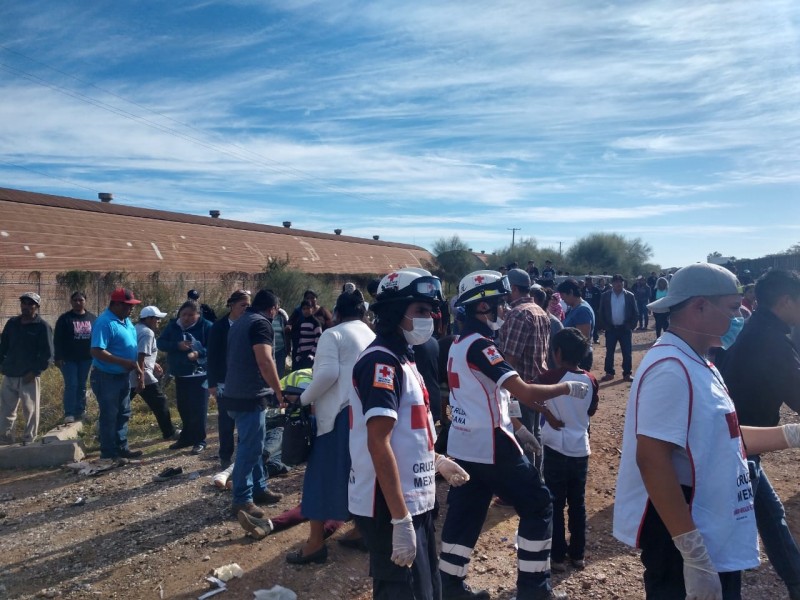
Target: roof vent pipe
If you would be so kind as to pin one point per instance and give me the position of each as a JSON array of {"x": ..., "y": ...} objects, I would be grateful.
[
  {"x": 105, "y": 197},
  {"x": 337, "y": 231},
  {"x": 214, "y": 214},
  {"x": 287, "y": 224},
  {"x": 376, "y": 237}
]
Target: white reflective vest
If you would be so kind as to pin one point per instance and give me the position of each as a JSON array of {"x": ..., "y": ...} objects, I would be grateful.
[
  {"x": 478, "y": 406},
  {"x": 711, "y": 460},
  {"x": 412, "y": 443}
]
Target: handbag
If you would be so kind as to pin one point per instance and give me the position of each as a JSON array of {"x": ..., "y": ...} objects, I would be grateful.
[{"x": 298, "y": 435}]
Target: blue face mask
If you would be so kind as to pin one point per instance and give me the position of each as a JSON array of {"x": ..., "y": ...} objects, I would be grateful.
[{"x": 734, "y": 329}]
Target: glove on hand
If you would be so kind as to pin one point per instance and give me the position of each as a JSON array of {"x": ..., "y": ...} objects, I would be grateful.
[
  {"x": 404, "y": 541},
  {"x": 528, "y": 439},
  {"x": 578, "y": 389},
  {"x": 792, "y": 434},
  {"x": 452, "y": 472},
  {"x": 699, "y": 575}
]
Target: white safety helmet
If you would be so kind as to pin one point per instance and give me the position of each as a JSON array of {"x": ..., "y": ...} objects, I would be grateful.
[
  {"x": 482, "y": 286},
  {"x": 409, "y": 284}
]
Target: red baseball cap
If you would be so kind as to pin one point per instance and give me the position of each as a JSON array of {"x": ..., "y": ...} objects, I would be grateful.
[{"x": 125, "y": 296}]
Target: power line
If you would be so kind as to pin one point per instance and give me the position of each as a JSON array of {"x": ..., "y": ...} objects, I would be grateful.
[{"x": 10, "y": 164}]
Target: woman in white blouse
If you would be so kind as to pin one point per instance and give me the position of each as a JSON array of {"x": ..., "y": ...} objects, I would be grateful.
[{"x": 326, "y": 477}]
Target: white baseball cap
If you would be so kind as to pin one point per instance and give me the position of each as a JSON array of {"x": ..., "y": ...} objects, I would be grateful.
[{"x": 151, "y": 311}]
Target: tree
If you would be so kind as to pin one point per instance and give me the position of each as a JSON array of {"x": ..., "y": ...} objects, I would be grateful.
[
  {"x": 610, "y": 252},
  {"x": 443, "y": 245},
  {"x": 523, "y": 250},
  {"x": 454, "y": 260}
]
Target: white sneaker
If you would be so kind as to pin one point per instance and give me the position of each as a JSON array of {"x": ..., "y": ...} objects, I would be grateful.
[
  {"x": 68, "y": 420},
  {"x": 220, "y": 480}
]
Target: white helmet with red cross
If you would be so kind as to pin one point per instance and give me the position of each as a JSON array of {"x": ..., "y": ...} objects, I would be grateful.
[
  {"x": 482, "y": 286},
  {"x": 409, "y": 284}
]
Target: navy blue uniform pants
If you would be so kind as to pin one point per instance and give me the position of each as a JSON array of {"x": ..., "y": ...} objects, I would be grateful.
[
  {"x": 517, "y": 481},
  {"x": 389, "y": 581}
]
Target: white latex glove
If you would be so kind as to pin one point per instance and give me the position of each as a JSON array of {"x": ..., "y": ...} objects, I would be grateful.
[
  {"x": 404, "y": 541},
  {"x": 792, "y": 434},
  {"x": 528, "y": 439},
  {"x": 451, "y": 471},
  {"x": 699, "y": 575},
  {"x": 578, "y": 389}
]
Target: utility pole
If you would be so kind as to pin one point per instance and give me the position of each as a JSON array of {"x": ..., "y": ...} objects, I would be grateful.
[
  {"x": 513, "y": 231},
  {"x": 559, "y": 249}
]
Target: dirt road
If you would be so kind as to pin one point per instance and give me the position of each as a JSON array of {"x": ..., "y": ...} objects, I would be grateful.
[{"x": 133, "y": 538}]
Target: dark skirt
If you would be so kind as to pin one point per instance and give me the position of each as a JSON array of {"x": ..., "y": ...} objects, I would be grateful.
[{"x": 327, "y": 473}]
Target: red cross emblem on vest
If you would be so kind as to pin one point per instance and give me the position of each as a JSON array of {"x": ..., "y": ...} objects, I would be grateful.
[
  {"x": 385, "y": 371},
  {"x": 479, "y": 279},
  {"x": 392, "y": 277}
]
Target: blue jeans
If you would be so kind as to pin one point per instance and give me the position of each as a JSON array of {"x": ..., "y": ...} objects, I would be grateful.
[
  {"x": 565, "y": 477},
  {"x": 114, "y": 401},
  {"x": 249, "y": 475},
  {"x": 771, "y": 520},
  {"x": 280, "y": 361},
  {"x": 75, "y": 373},
  {"x": 644, "y": 315},
  {"x": 623, "y": 335},
  {"x": 273, "y": 445},
  {"x": 532, "y": 420}
]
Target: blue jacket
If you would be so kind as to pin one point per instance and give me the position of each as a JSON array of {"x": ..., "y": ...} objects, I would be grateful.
[{"x": 179, "y": 364}]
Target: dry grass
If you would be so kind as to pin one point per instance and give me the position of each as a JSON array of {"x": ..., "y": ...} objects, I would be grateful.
[{"x": 142, "y": 425}]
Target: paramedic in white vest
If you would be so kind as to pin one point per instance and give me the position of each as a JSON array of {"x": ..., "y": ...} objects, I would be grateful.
[
  {"x": 481, "y": 440},
  {"x": 392, "y": 478},
  {"x": 683, "y": 491}
]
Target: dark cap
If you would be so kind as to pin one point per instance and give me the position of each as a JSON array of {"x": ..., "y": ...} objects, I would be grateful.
[
  {"x": 193, "y": 295},
  {"x": 519, "y": 278}
]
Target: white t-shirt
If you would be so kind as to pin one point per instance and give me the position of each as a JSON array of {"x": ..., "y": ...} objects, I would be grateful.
[
  {"x": 680, "y": 398},
  {"x": 145, "y": 344},
  {"x": 573, "y": 438}
]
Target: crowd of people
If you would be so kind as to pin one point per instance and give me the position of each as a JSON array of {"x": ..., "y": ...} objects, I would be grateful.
[{"x": 496, "y": 401}]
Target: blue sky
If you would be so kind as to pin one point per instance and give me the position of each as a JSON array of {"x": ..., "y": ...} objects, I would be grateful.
[{"x": 674, "y": 121}]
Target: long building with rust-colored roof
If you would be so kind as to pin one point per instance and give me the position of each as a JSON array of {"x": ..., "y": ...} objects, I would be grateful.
[{"x": 46, "y": 233}]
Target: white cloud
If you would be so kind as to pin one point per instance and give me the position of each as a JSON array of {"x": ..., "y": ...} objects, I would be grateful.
[{"x": 454, "y": 114}]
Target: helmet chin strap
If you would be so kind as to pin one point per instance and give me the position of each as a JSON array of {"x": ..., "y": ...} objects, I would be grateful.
[{"x": 493, "y": 309}]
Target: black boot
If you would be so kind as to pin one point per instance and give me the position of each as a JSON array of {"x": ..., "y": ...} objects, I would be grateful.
[{"x": 455, "y": 588}]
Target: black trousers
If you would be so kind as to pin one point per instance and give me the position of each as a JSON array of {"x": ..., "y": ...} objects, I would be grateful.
[
  {"x": 192, "y": 400},
  {"x": 157, "y": 402},
  {"x": 663, "y": 564}
]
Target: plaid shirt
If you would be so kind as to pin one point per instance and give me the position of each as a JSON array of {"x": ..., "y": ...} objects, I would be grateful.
[{"x": 525, "y": 335}]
